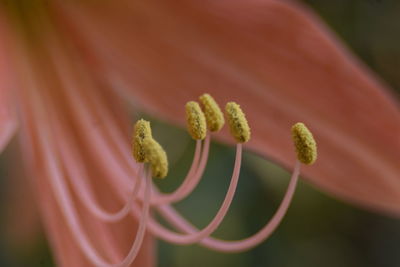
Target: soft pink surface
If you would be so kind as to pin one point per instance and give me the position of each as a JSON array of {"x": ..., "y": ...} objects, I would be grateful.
[{"x": 49, "y": 77}]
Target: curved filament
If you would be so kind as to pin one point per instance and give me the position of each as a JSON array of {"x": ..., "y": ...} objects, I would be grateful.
[
  {"x": 192, "y": 179},
  {"x": 235, "y": 246},
  {"x": 78, "y": 177},
  {"x": 198, "y": 235}
]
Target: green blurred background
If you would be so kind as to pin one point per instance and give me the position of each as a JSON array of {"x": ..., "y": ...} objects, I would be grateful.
[{"x": 318, "y": 230}]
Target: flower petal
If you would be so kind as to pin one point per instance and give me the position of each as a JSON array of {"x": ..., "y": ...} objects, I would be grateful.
[
  {"x": 48, "y": 85},
  {"x": 275, "y": 58}
]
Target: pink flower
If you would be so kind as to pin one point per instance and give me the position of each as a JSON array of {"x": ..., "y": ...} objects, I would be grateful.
[{"x": 68, "y": 68}]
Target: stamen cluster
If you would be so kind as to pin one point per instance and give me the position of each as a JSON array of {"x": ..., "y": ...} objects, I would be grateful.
[
  {"x": 146, "y": 149},
  {"x": 151, "y": 160},
  {"x": 201, "y": 120}
]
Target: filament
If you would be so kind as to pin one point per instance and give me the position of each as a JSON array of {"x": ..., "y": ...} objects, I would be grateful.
[
  {"x": 233, "y": 246},
  {"x": 192, "y": 179},
  {"x": 67, "y": 208},
  {"x": 78, "y": 176},
  {"x": 123, "y": 174},
  {"x": 196, "y": 236}
]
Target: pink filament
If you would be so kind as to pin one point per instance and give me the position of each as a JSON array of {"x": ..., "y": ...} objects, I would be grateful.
[
  {"x": 237, "y": 246},
  {"x": 63, "y": 197},
  {"x": 67, "y": 207},
  {"x": 196, "y": 236},
  {"x": 192, "y": 179},
  {"x": 78, "y": 177}
]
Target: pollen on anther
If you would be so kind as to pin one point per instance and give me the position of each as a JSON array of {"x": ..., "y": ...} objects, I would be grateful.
[
  {"x": 304, "y": 142},
  {"x": 237, "y": 122},
  {"x": 142, "y": 131},
  {"x": 214, "y": 117},
  {"x": 196, "y": 121},
  {"x": 156, "y": 157}
]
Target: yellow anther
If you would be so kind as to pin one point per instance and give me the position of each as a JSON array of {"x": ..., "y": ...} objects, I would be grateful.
[
  {"x": 214, "y": 117},
  {"x": 196, "y": 121},
  {"x": 156, "y": 157},
  {"x": 237, "y": 122},
  {"x": 141, "y": 131},
  {"x": 306, "y": 147}
]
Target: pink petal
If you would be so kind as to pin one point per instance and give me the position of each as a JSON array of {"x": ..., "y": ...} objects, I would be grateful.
[
  {"x": 276, "y": 59},
  {"x": 48, "y": 74}
]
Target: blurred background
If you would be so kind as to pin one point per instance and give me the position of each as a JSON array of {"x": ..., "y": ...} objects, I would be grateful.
[{"x": 318, "y": 230}]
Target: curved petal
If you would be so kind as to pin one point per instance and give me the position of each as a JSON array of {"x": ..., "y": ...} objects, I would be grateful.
[
  {"x": 276, "y": 58},
  {"x": 48, "y": 85}
]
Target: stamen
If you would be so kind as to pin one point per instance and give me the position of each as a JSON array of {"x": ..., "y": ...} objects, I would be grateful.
[
  {"x": 240, "y": 245},
  {"x": 72, "y": 158},
  {"x": 141, "y": 131},
  {"x": 305, "y": 144},
  {"x": 196, "y": 121},
  {"x": 189, "y": 182},
  {"x": 214, "y": 117},
  {"x": 237, "y": 122},
  {"x": 156, "y": 157},
  {"x": 180, "y": 223},
  {"x": 198, "y": 235}
]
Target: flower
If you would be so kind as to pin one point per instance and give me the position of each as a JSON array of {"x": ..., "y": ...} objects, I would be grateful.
[{"x": 74, "y": 60}]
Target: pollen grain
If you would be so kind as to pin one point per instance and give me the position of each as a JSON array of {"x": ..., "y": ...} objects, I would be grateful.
[
  {"x": 142, "y": 131},
  {"x": 214, "y": 116},
  {"x": 196, "y": 121},
  {"x": 237, "y": 122},
  {"x": 156, "y": 157},
  {"x": 304, "y": 142}
]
